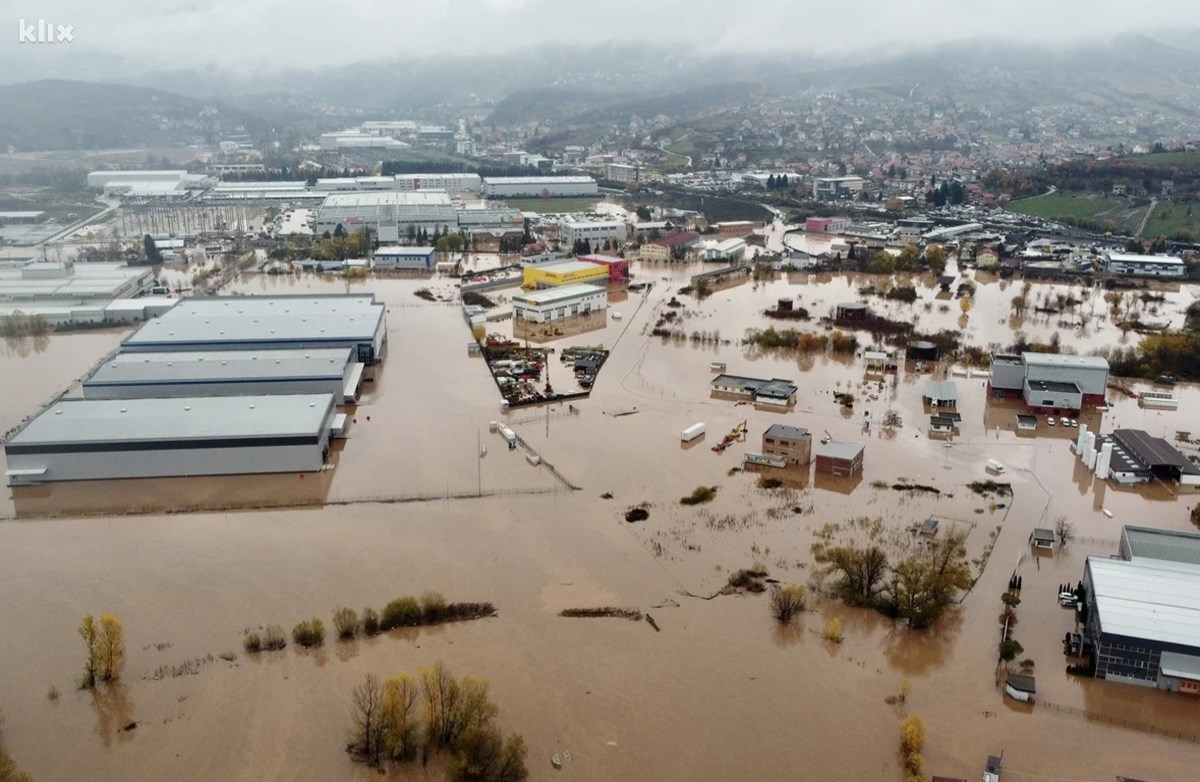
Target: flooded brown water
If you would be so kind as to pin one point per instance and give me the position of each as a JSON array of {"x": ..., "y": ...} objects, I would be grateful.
[{"x": 720, "y": 693}]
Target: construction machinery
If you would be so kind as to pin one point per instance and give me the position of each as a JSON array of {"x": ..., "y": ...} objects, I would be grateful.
[{"x": 736, "y": 435}]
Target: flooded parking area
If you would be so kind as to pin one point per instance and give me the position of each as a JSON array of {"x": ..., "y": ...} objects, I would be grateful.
[{"x": 720, "y": 692}]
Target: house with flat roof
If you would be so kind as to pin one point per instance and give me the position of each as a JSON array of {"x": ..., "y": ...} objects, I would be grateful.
[
  {"x": 793, "y": 444},
  {"x": 775, "y": 392},
  {"x": 227, "y": 373},
  {"x": 1142, "y": 610},
  {"x": 842, "y": 460},
  {"x": 669, "y": 248},
  {"x": 95, "y": 439}
]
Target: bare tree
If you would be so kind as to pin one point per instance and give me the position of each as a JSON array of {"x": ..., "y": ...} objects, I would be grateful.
[
  {"x": 367, "y": 705},
  {"x": 1064, "y": 529}
]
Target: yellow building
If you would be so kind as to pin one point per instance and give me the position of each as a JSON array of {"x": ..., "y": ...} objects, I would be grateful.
[{"x": 552, "y": 275}]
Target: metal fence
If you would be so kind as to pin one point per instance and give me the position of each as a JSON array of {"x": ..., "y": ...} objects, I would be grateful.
[{"x": 1119, "y": 722}]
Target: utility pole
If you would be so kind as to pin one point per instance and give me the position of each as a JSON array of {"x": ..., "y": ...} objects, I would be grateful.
[{"x": 478, "y": 464}]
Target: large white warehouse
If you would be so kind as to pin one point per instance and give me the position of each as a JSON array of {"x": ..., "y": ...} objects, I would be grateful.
[
  {"x": 388, "y": 214},
  {"x": 333, "y": 371},
  {"x": 267, "y": 323},
  {"x": 539, "y": 186},
  {"x": 94, "y": 439}
]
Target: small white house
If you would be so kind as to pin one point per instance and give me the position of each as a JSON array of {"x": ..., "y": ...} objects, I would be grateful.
[{"x": 1020, "y": 687}]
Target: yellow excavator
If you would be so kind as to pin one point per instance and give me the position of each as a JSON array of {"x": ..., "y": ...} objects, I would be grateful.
[{"x": 736, "y": 435}]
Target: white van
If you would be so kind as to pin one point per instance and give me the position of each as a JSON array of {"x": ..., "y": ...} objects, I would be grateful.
[{"x": 996, "y": 467}]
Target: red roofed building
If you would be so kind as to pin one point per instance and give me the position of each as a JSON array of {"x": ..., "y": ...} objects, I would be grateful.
[{"x": 668, "y": 247}]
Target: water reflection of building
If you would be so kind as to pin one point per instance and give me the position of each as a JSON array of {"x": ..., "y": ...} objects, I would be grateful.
[{"x": 1141, "y": 614}]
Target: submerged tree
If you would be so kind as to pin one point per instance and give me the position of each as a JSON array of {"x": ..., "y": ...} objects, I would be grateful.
[{"x": 91, "y": 642}]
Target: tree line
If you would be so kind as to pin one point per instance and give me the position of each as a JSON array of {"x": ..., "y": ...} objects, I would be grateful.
[{"x": 406, "y": 718}]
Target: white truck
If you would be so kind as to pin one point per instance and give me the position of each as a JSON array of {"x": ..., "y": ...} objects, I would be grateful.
[{"x": 692, "y": 432}]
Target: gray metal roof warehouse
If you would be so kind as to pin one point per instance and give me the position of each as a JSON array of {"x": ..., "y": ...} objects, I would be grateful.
[
  {"x": 227, "y": 373},
  {"x": 89, "y": 439},
  {"x": 266, "y": 322}
]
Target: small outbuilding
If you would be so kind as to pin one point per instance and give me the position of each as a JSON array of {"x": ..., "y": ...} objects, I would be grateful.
[
  {"x": 842, "y": 460},
  {"x": 923, "y": 350},
  {"x": 851, "y": 310},
  {"x": 876, "y": 361},
  {"x": 940, "y": 394},
  {"x": 929, "y": 527},
  {"x": 1026, "y": 423},
  {"x": 1020, "y": 687},
  {"x": 1042, "y": 538}
]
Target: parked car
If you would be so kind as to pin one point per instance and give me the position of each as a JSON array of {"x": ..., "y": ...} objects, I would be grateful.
[{"x": 1050, "y": 420}]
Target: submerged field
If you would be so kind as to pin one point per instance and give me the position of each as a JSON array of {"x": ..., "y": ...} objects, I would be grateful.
[{"x": 720, "y": 691}]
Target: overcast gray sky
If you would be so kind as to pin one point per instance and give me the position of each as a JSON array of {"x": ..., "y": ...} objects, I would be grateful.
[{"x": 250, "y": 36}]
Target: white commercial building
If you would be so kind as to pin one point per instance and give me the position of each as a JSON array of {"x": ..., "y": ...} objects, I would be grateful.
[
  {"x": 388, "y": 215},
  {"x": 575, "y": 229},
  {"x": 448, "y": 183},
  {"x": 102, "y": 179},
  {"x": 552, "y": 304},
  {"x": 227, "y": 373},
  {"x": 539, "y": 186},
  {"x": 729, "y": 250},
  {"x": 1145, "y": 265},
  {"x": 837, "y": 186},
  {"x": 353, "y": 139},
  {"x": 267, "y": 322},
  {"x": 52, "y": 282},
  {"x": 404, "y": 257},
  {"x": 95, "y": 439}
]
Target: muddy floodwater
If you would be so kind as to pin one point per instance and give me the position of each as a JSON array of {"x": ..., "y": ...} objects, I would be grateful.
[{"x": 722, "y": 692}]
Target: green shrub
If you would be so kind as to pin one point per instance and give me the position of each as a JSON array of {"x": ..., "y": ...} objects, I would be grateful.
[
  {"x": 433, "y": 608},
  {"x": 273, "y": 638},
  {"x": 252, "y": 642},
  {"x": 401, "y": 612},
  {"x": 345, "y": 622},
  {"x": 787, "y": 601},
  {"x": 370, "y": 621},
  {"x": 310, "y": 632},
  {"x": 699, "y": 495}
]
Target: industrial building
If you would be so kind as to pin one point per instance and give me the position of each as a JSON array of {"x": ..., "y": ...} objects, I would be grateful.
[
  {"x": 793, "y": 444},
  {"x": 732, "y": 249},
  {"x": 280, "y": 191},
  {"x": 355, "y": 139},
  {"x": 453, "y": 184},
  {"x": 388, "y": 215},
  {"x": 841, "y": 460},
  {"x": 575, "y": 229},
  {"x": 551, "y": 275},
  {"x": 618, "y": 268},
  {"x": 559, "y": 303},
  {"x": 1141, "y": 611},
  {"x": 94, "y": 439},
  {"x": 267, "y": 323},
  {"x": 51, "y": 281},
  {"x": 826, "y": 225},
  {"x": 837, "y": 187},
  {"x": 775, "y": 392},
  {"x": 13, "y": 218},
  {"x": 1145, "y": 265},
  {"x": 396, "y": 257},
  {"x": 99, "y": 180},
  {"x": 539, "y": 187},
  {"x": 1130, "y": 456},
  {"x": 184, "y": 373},
  {"x": 1049, "y": 382}
]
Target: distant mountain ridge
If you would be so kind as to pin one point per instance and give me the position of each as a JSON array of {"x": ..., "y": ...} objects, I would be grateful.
[{"x": 61, "y": 114}]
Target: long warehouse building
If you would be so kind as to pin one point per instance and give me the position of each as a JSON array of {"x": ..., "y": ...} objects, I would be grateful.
[
  {"x": 267, "y": 323},
  {"x": 333, "y": 371},
  {"x": 539, "y": 186},
  {"x": 100, "y": 439}
]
